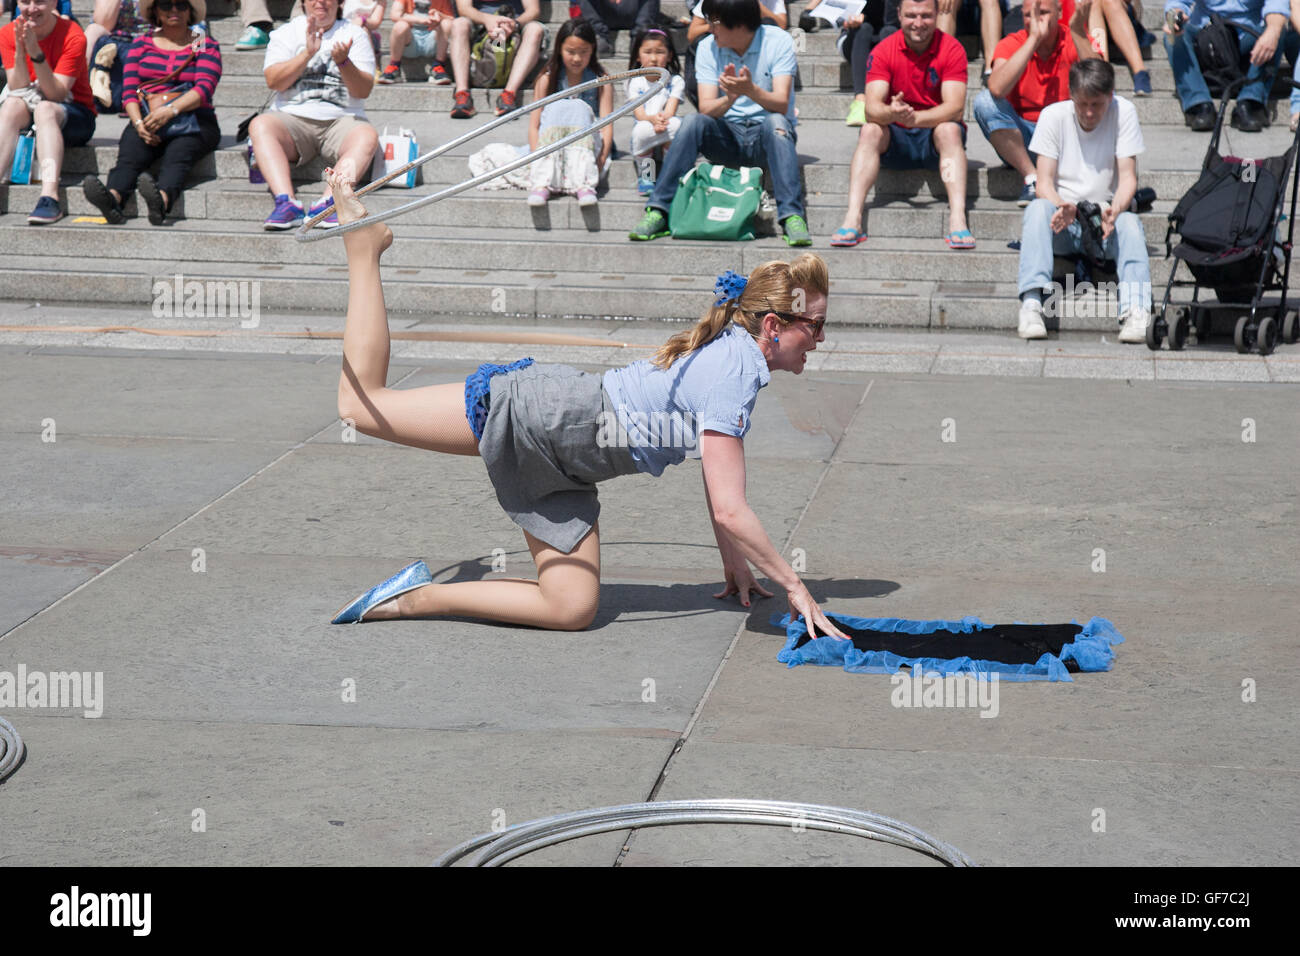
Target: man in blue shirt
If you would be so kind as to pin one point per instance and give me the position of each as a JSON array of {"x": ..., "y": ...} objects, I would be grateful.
[
  {"x": 1184, "y": 19},
  {"x": 745, "y": 72}
]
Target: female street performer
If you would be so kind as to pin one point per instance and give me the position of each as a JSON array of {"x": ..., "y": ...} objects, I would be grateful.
[{"x": 548, "y": 433}]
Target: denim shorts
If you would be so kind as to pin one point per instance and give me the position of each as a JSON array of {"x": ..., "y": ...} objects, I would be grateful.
[{"x": 913, "y": 148}]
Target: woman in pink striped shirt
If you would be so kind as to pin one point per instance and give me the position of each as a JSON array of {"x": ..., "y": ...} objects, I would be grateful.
[{"x": 180, "y": 133}]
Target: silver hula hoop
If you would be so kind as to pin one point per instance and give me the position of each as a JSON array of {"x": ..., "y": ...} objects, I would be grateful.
[{"x": 305, "y": 232}]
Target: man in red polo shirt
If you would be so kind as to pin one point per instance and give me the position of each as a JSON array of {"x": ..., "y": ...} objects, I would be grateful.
[
  {"x": 44, "y": 58},
  {"x": 916, "y": 92},
  {"x": 1031, "y": 70}
]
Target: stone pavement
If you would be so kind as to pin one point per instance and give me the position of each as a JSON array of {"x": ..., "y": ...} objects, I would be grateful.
[{"x": 224, "y": 688}]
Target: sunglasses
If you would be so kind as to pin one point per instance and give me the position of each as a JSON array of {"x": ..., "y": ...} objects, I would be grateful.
[
  {"x": 815, "y": 324},
  {"x": 172, "y": 4}
]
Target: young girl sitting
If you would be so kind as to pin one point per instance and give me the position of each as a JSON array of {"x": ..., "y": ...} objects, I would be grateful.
[
  {"x": 657, "y": 120},
  {"x": 575, "y": 169}
]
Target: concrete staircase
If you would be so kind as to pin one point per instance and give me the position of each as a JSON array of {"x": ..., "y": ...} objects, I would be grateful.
[{"x": 484, "y": 253}]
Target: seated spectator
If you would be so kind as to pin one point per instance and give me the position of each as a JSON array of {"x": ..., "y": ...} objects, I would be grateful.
[
  {"x": 322, "y": 69},
  {"x": 1087, "y": 148},
  {"x": 48, "y": 86},
  {"x": 773, "y": 15},
  {"x": 982, "y": 17},
  {"x": 366, "y": 15},
  {"x": 500, "y": 20},
  {"x": 657, "y": 121},
  {"x": 115, "y": 16},
  {"x": 1125, "y": 28},
  {"x": 858, "y": 34},
  {"x": 1031, "y": 70},
  {"x": 607, "y": 15},
  {"x": 745, "y": 75},
  {"x": 154, "y": 136},
  {"x": 916, "y": 93},
  {"x": 424, "y": 25},
  {"x": 1258, "y": 57}
]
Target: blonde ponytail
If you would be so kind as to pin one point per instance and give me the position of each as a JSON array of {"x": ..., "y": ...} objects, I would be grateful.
[{"x": 773, "y": 287}]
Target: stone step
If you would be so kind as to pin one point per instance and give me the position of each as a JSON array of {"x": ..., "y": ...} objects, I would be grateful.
[
  {"x": 825, "y": 72},
  {"x": 242, "y": 95},
  {"x": 473, "y": 248},
  {"x": 620, "y": 210},
  {"x": 229, "y": 168},
  {"x": 210, "y": 293}
]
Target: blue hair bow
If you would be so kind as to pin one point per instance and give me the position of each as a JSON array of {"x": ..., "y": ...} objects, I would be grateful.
[{"x": 729, "y": 286}]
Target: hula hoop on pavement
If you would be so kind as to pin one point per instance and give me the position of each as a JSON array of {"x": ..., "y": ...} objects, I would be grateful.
[{"x": 305, "y": 232}]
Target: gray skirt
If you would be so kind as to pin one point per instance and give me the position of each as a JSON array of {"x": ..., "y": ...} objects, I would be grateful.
[{"x": 539, "y": 445}]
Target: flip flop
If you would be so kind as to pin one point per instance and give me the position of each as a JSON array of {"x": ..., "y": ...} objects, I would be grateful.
[
  {"x": 961, "y": 239},
  {"x": 848, "y": 237}
]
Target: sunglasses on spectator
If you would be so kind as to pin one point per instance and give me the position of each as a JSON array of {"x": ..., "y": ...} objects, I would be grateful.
[{"x": 172, "y": 4}]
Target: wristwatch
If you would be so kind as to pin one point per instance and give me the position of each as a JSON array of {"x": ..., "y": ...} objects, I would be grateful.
[{"x": 36, "y": 57}]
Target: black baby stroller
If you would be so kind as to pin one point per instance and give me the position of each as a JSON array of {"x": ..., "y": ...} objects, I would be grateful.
[{"x": 1228, "y": 229}]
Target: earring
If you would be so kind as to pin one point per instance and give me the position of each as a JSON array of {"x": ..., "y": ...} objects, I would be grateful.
[{"x": 776, "y": 340}]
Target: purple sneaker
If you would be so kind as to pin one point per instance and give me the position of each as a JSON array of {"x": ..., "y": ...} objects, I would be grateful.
[
  {"x": 330, "y": 221},
  {"x": 286, "y": 215}
]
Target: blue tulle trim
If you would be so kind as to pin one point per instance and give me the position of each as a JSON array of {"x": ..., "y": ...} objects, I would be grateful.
[
  {"x": 1091, "y": 650},
  {"x": 478, "y": 388}
]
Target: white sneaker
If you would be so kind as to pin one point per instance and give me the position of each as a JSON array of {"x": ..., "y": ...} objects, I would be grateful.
[
  {"x": 1031, "y": 319},
  {"x": 1135, "y": 321}
]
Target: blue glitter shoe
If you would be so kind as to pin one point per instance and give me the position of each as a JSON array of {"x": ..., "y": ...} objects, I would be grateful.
[{"x": 408, "y": 579}]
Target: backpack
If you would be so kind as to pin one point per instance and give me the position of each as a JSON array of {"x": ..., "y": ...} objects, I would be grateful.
[
  {"x": 490, "y": 61},
  {"x": 716, "y": 203},
  {"x": 1219, "y": 53},
  {"x": 106, "y": 66}
]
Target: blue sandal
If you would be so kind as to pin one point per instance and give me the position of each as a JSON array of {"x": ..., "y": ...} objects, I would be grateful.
[
  {"x": 961, "y": 239},
  {"x": 848, "y": 237}
]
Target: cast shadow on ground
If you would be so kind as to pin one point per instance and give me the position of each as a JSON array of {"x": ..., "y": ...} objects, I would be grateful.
[{"x": 621, "y": 602}]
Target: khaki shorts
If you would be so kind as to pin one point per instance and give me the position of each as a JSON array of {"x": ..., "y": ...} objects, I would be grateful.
[{"x": 314, "y": 138}]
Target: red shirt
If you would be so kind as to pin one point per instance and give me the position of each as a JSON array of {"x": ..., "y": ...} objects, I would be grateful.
[
  {"x": 65, "y": 52},
  {"x": 1045, "y": 81},
  {"x": 920, "y": 76}
]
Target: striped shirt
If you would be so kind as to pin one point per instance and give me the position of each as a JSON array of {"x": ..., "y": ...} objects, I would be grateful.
[{"x": 146, "y": 63}]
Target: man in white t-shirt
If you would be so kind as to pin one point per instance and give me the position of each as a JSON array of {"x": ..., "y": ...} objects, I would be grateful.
[
  {"x": 1087, "y": 149},
  {"x": 322, "y": 68}
]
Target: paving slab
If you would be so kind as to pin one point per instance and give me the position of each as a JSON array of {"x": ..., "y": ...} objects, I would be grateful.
[
  {"x": 1000, "y": 811},
  {"x": 124, "y": 792}
]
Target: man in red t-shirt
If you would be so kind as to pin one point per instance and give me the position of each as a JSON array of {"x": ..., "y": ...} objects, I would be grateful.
[
  {"x": 44, "y": 57},
  {"x": 1031, "y": 70},
  {"x": 916, "y": 92}
]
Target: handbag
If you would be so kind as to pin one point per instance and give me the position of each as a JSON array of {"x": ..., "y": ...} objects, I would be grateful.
[
  {"x": 716, "y": 203},
  {"x": 241, "y": 134},
  {"x": 157, "y": 95}
]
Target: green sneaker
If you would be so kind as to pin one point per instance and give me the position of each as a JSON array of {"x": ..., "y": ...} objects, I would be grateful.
[
  {"x": 254, "y": 38},
  {"x": 857, "y": 114},
  {"x": 653, "y": 225},
  {"x": 796, "y": 231}
]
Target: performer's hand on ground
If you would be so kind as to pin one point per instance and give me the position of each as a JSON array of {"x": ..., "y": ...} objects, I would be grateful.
[
  {"x": 802, "y": 603},
  {"x": 741, "y": 581},
  {"x": 350, "y": 210}
]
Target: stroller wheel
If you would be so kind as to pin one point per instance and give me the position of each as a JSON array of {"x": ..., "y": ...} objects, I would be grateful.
[
  {"x": 1242, "y": 336},
  {"x": 1156, "y": 330},
  {"x": 1178, "y": 329},
  {"x": 1266, "y": 338},
  {"x": 1291, "y": 327}
]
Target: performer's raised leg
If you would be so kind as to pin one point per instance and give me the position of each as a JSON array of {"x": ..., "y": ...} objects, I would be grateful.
[{"x": 431, "y": 417}]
